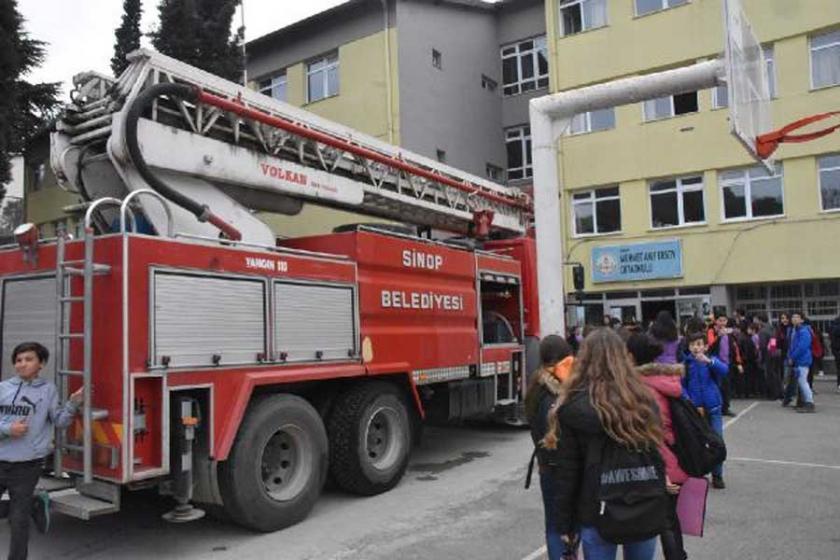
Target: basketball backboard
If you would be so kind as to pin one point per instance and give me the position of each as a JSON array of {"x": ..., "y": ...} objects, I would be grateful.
[{"x": 746, "y": 80}]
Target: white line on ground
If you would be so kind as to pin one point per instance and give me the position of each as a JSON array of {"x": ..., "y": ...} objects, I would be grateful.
[
  {"x": 786, "y": 463},
  {"x": 537, "y": 554},
  {"x": 740, "y": 415}
]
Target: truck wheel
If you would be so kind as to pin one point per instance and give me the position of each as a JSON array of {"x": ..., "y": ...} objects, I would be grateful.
[
  {"x": 277, "y": 466},
  {"x": 370, "y": 438}
]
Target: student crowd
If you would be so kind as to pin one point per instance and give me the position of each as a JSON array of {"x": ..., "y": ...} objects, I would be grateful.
[{"x": 618, "y": 413}]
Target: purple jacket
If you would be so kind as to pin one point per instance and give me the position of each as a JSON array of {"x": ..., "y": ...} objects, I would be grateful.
[{"x": 669, "y": 352}]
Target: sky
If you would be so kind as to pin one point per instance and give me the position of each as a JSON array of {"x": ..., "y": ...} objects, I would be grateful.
[{"x": 80, "y": 33}]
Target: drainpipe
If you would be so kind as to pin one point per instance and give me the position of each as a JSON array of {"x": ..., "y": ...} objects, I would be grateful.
[
  {"x": 550, "y": 116},
  {"x": 388, "y": 93}
]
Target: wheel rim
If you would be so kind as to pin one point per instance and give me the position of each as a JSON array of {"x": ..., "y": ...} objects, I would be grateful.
[
  {"x": 286, "y": 462},
  {"x": 383, "y": 444}
]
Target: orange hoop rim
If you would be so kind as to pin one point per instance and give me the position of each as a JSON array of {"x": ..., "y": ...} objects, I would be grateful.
[{"x": 766, "y": 144}]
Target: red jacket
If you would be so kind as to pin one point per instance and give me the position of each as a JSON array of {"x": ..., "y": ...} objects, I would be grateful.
[{"x": 665, "y": 381}]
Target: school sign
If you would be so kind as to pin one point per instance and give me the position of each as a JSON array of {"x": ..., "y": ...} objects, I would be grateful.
[{"x": 639, "y": 261}]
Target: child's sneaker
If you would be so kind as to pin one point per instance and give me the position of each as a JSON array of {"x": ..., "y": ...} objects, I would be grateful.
[{"x": 41, "y": 511}]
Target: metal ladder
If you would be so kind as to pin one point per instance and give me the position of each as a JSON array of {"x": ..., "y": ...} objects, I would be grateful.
[{"x": 66, "y": 270}]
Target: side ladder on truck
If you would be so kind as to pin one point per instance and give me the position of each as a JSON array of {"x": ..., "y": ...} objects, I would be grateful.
[{"x": 89, "y": 497}]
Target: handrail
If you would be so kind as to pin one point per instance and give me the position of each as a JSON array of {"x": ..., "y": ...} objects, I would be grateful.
[
  {"x": 101, "y": 202},
  {"x": 170, "y": 224}
]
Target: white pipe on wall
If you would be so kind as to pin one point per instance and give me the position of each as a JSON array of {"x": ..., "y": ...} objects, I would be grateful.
[
  {"x": 388, "y": 93},
  {"x": 550, "y": 117}
]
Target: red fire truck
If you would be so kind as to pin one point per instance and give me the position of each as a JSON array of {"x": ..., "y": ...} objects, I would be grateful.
[{"x": 233, "y": 370}]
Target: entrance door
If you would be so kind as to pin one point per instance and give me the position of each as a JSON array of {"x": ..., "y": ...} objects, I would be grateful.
[
  {"x": 627, "y": 311},
  {"x": 650, "y": 309}
]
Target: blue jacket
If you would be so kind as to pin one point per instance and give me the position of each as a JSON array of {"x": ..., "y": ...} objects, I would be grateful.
[
  {"x": 701, "y": 381},
  {"x": 37, "y": 402},
  {"x": 799, "y": 351}
]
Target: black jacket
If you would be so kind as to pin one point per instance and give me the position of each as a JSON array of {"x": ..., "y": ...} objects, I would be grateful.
[
  {"x": 579, "y": 449},
  {"x": 580, "y": 442},
  {"x": 537, "y": 406}
]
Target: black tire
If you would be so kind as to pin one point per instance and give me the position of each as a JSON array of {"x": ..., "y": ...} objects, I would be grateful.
[
  {"x": 370, "y": 438},
  {"x": 267, "y": 493}
]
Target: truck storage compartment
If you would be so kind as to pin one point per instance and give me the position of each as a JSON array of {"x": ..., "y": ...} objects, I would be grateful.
[
  {"x": 200, "y": 320},
  {"x": 314, "y": 322},
  {"x": 29, "y": 314}
]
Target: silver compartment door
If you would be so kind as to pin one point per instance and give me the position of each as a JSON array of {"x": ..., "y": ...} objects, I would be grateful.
[
  {"x": 196, "y": 317},
  {"x": 29, "y": 315},
  {"x": 314, "y": 318}
]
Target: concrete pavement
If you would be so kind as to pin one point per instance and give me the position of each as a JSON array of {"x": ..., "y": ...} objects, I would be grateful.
[{"x": 463, "y": 498}]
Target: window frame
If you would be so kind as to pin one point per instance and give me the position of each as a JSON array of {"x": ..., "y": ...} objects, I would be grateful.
[
  {"x": 811, "y": 56},
  {"x": 524, "y": 138},
  {"x": 587, "y": 119},
  {"x": 325, "y": 71},
  {"x": 269, "y": 90},
  {"x": 722, "y": 184},
  {"x": 491, "y": 168},
  {"x": 583, "y": 29},
  {"x": 593, "y": 200},
  {"x": 663, "y": 8},
  {"x": 680, "y": 188},
  {"x": 519, "y": 54},
  {"x": 820, "y": 179},
  {"x": 673, "y": 114}
]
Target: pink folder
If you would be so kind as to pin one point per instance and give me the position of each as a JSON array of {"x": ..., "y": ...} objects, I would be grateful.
[{"x": 691, "y": 506}]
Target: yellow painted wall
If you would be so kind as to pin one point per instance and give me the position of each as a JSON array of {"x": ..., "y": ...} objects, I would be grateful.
[
  {"x": 361, "y": 103},
  {"x": 792, "y": 248},
  {"x": 362, "y": 99}
]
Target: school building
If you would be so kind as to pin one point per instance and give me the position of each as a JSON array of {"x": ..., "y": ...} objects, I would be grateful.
[{"x": 665, "y": 209}]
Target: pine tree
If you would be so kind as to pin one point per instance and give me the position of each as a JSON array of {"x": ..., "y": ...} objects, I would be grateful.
[
  {"x": 24, "y": 107},
  {"x": 198, "y": 32},
  {"x": 127, "y": 35}
]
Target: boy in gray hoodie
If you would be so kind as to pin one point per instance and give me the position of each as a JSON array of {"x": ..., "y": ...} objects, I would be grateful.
[{"x": 29, "y": 411}]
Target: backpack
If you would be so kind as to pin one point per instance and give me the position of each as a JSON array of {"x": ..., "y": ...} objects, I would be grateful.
[
  {"x": 816, "y": 344},
  {"x": 697, "y": 447},
  {"x": 631, "y": 493}
]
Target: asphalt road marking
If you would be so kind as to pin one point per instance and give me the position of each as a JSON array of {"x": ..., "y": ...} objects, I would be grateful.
[
  {"x": 537, "y": 554},
  {"x": 740, "y": 415},
  {"x": 785, "y": 463}
]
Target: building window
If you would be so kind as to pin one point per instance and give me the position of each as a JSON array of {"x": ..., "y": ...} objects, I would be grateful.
[
  {"x": 593, "y": 121},
  {"x": 720, "y": 95},
  {"x": 524, "y": 66},
  {"x": 441, "y": 155},
  {"x": 488, "y": 83},
  {"x": 825, "y": 59},
  {"x": 649, "y": 6},
  {"x": 582, "y": 15},
  {"x": 518, "y": 143},
  {"x": 677, "y": 202},
  {"x": 274, "y": 87},
  {"x": 494, "y": 172},
  {"x": 752, "y": 193},
  {"x": 671, "y": 106},
  {"x": 437, "y": 59},
  {"x": 830, "y": 181},
  {"x": 596, "y": 212},
  {"x": 322, "y": 77}
]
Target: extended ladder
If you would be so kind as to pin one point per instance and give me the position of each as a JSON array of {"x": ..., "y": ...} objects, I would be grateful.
[{"x": 228, "y": 118}]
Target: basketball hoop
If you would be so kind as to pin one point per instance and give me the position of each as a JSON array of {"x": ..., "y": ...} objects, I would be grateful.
[{"x": 766, "y": 144}]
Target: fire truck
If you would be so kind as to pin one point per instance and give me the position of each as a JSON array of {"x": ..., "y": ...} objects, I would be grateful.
[{"x": 236, "y": 371}]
